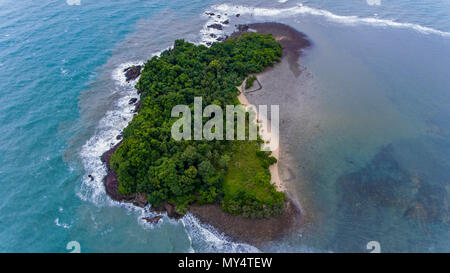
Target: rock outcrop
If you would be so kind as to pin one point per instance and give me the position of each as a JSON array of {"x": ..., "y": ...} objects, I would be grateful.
[
  {"x": 132, "y": 72},
  {"x": 216, "y": 26}
]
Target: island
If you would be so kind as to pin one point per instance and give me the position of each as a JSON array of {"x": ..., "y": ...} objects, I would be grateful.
[{"x": 232, "y": 185}]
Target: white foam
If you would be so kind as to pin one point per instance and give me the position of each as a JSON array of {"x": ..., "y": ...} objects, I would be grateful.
[
  {"x": 73, "y": 2},
  {"x": 66, "y": 226},
  {"x": 206, "y": 32},
  {"x": 118, "y": 74},
  {"x": 305, "y": 10},
  {"x": 63, "y": 71},
  {"x": 208, "y": 239},
  {"x": 105, "y": 137},
  {"x": 373, "y": 2}
]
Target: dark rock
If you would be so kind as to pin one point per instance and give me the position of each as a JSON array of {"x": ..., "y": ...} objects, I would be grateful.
[
  {"x": 167, "y": 207},
  {"x": 237, "y": 15},
  {"x": 218, "y": 16},
  {"x": 216, "y": 26},
  {"x": 226, "y": 22},
  {"x": 242, "y": 28},
  {"x": 212, "y": 35},
  {"x": 137, "y": 106},
  {"x": 417, "y": 211},
  {"x": 119, "y": 136},
  {"x": 132, "y": 72},
  {"x": 140, "y": 200},
  {"x": 210, "y": 13},
  {"x": 208, "y": 43},
  {"x": 220, "y": 39},
  {"x": 152, "y": 220},
  {"x": 110, "y": 181},
  {"x": 91, "y": 177},
  {"x": 132, "y": 101},
  {"x": 170, "y": 209}
]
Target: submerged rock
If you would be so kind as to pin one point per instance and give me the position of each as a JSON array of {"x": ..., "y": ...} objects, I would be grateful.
[
  {"x": 226, "y": 22},
  {"x": 383, "y": 183},
  {"x": 152, "y": 220},
  {"x": 417, "y": 211},
  {"x": 132, "y": 101}
]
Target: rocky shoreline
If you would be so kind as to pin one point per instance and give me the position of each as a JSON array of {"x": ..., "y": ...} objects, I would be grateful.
[
  {"x": 254, "y": 231},
  {"x": 251, "y": 231},
  {"x": 132, "y": 72},
  {"x": 138, "y": 199}
]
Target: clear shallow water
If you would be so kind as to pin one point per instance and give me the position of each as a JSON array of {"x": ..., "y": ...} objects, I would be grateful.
[
  {"x": 375, "y": 159},
  {"x": 374, "y": 142}
]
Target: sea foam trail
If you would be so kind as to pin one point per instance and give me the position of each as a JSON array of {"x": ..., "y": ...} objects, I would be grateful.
[
  {"x": 305, "y": 10},
  {"x": 208, "y": 239},
  {"x": 105, "y": 137}
]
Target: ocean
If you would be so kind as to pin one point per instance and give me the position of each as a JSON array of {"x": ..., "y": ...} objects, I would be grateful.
[{"x": 371, "y": 144}]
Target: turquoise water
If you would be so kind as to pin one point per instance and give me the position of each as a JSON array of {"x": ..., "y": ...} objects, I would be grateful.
[{"x": 374, "y": 144}]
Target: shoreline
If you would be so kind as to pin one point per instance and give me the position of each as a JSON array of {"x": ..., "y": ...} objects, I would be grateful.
[
  {"x": 293, "y": 42},
  {"x": 266, "y": 137},
  {"x": 238, "y": 227}
]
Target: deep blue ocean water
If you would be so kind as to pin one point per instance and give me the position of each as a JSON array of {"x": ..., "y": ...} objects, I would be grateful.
[{"x": 374, "y": 154}]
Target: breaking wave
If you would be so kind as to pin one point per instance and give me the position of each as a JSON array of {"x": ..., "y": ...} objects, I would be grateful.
[
  {"x": 305, "y": 10},
  {"x": 206, "y": 238},
  {"x": 110, "y": 126}
]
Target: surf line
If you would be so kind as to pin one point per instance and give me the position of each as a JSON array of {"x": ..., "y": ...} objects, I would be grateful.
[{"x": 302, "y": 9}]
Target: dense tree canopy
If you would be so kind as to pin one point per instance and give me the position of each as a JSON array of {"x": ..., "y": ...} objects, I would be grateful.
[{"x": 150, "y": 161}]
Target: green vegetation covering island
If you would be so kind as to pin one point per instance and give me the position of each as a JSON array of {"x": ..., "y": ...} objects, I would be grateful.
[{"x": 234, "y": 173}]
